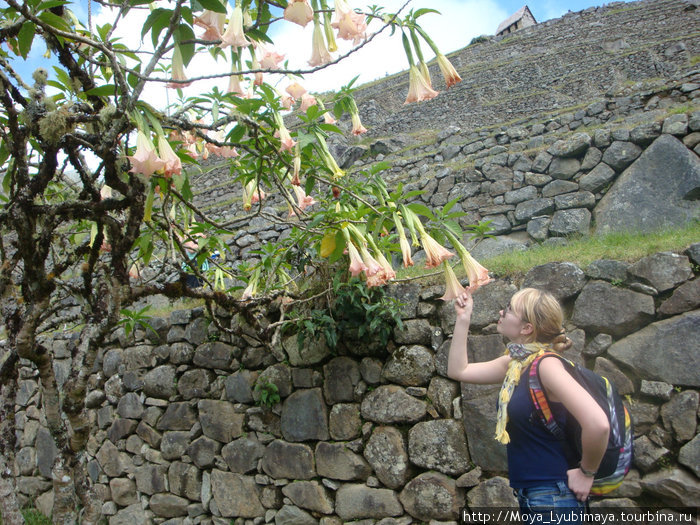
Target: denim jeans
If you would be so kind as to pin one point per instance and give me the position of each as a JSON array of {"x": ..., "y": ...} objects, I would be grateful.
[{"x": 552, "y": 503}]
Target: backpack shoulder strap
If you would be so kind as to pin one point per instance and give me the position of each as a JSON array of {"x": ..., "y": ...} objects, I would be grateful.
[{"x": 539, "y": 397}]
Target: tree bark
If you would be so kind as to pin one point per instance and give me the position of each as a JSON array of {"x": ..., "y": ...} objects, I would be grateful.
[{"x": 9, "y": 506}]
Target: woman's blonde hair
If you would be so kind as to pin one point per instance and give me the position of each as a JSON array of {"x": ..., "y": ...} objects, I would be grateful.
[{"x": 542, "y": 310}]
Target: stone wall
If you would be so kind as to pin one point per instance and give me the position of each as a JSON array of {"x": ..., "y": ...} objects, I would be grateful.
[
  {"x": 372, "y": 433},
  {"x": 628, "y": 161},
  {"x": 559, "y": 63},
  {"x": 622, "y": 74}
]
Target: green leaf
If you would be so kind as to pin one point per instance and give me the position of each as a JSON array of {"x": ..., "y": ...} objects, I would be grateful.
[
  {"x": 424, "y": 11},
  {"x": 182, "y": 33},
  {"x": 55, "y": 21},
  {"x": 236, "y": 133},
  {"x": 447, "y": 207},
  {"x": 25, "y": 38},
  {"x": 102, "y": 91},
  {"x": 379, "y": 166},
  {"x": 258, "y": 35},
  {"x": 332, "y": 128},
  {"x": 212, "y": 5},
  {"x": 51, "y": 3},
  {"x": 421, "y": 209}
]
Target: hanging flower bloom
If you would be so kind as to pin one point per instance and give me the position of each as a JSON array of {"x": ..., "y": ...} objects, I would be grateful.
[
  {"x": 370, "y": 262},
  {"x": 388, "y": 270},
  {"x": 178, "y": 71},
  {"x": 435, "y": 252},
  {"x": 303, "y": 200},
  {"x": 252, "y": 287},
  {"x": 287, "y": 101},
  {"x": 328, "y": 118},
  {"x": 356, "y": 264},
  {"x": 270, "y": 59},
  {"x": 350, "y": 24},
  {"x": 213, "y": 23},
  {"x": 299, "y": 12},
  {"x": 448, "y": 71},
  {"x": 234, "y": 86},
  {"x": 173, "y": 165},
  {"x": 319, "y": 53},
  {"x": 405, "y": 251},
  {"x": 257, "y": 195},
  {"x": 357, "y": 127},
  {"x": 327, "y": 157},
  {"x": 256, "y": 65},
  {"x": 286, "y": 141},
  {"x": 252, "y": 194},
  {"x": 425, "y": 73},
  {"x": 235, "y": 35},
  {"x": 418, "y": 90},
  {"x": 145, "y": 160},
  {"x": 295, "y": 90},
  {"x": 452, "y": 287},
  {"x": 307, "y": 101},
  {"x": 226, "y": 152},
  {"x": 478, "y": 275},
  {"x": 328, "y": 30},
  {"x": 297, "y": 169}
]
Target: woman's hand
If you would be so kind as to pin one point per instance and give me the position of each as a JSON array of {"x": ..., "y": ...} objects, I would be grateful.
[
  {"x": 463, "y": 306},
  {"x": 579, "y": 483}
]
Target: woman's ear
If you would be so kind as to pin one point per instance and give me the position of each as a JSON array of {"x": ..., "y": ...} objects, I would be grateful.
[{"x": 527, "y": 329}]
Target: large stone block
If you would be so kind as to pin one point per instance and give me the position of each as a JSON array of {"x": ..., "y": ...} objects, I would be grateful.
[
  {"x": 336, "y": 461},
  {"x": 309, "y": 495},
  {"x": 673, "y": 485},
  {"x": 387, "y": 453},
  {"x": 214, "y": 355},
  {"x": 667, "y": 350},
  {"x": 287, "y": 460},
  {"x": 432, "y": 496},
  {"x": 341, "y": 376},
  {"x": 410, "y": 366},
  {"x": 663, "y": 271},
  {"x": 563, "y": 280},
  {"x": 242, "y": 455},
  {"x": 390, "y": 404},
  {"x": 621, "y": 154},
  {"x": 602, "y": 307},
  {"x": 236, "y": 495},
  {"x": 479, "y": 419},
  {"x": 305, "y": 416},
  {"x": 311, "y": 352},
  {"x": 220, "y": 420},
  {"x": 359, "y": 501},
  {"x": 185, "y": 480},
  {"x": 439, "y": 445},
  {"x": 657, "y": 191}
]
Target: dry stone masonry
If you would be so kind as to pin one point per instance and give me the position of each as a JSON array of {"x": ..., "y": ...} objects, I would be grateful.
[
  {"x": 587, "y": 123},
  {"x": 368, "y": 434}
]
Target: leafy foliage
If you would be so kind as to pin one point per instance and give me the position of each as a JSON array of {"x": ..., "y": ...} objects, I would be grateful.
[{"x": 269, "y": 393}]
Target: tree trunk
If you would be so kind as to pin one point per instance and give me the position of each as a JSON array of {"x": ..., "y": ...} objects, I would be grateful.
[
  {"x": 65, "y": 508},
  {"x": 9, "y": 506}
]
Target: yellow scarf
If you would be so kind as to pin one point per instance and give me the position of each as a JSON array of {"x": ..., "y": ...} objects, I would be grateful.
[{"x": 521, "y": 356}]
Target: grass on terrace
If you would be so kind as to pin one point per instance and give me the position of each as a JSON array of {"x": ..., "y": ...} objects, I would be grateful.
[{"x": 581, "y": 251}]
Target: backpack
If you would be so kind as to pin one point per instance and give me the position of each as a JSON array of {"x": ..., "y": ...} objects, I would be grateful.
[{"x": 617, "y": 459}]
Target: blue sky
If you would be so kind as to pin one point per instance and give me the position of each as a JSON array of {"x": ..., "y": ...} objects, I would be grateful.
[{"x": 461, "y": 20}]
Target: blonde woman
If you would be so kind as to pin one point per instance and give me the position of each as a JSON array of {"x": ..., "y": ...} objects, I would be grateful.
[{"x": 538, "y": 469}]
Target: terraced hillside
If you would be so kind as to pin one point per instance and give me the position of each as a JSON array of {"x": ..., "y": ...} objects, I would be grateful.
[
  {"x": 560, "y": 63},
  {"x": 621, "y": 75}
]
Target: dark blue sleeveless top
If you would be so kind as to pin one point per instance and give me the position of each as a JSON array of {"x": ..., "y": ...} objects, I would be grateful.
[{"x": 535, "y": 456}]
